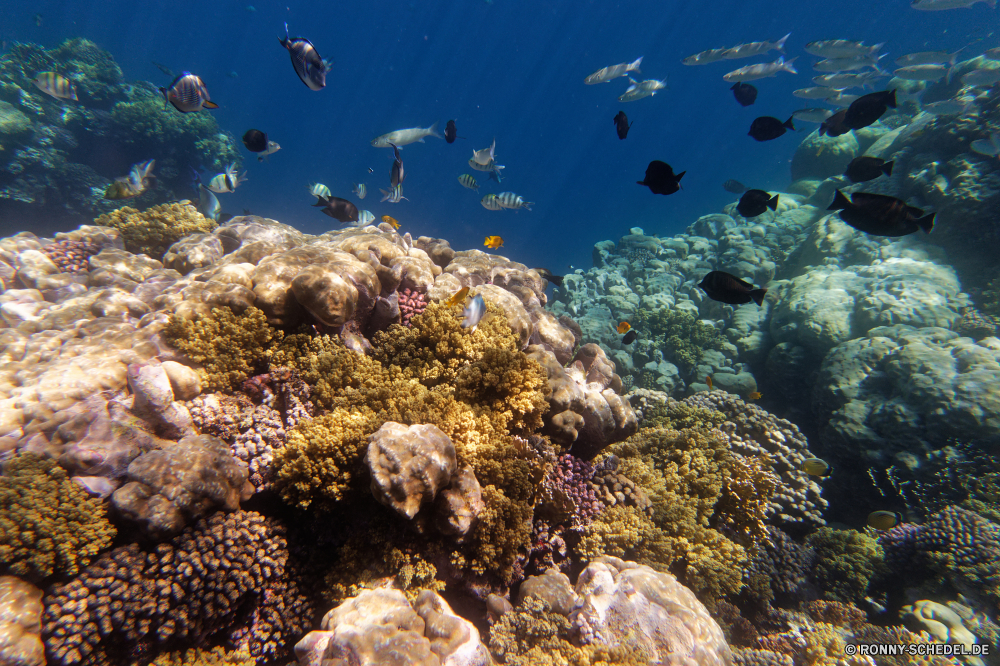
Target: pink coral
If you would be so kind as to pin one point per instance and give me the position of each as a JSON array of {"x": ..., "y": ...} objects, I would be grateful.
[
  {"x": 71, "y": 255},
  {"x": 411, "y": 303}
]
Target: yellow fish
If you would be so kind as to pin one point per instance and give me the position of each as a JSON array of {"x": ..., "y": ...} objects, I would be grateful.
[
  {"x": 884, "y": 520},
  {"x": 816, "y": 467},
  {"x": 708, "y": 380},
  {"x": 493, "y": 242},
  {"x": 457, "y": 298},
  {"x": 623, "y": 327},
  {"x": 390, "y": 220},
  {"x": 755, "y": 395}
]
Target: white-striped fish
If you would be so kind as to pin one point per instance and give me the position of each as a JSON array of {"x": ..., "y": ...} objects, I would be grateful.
[
  {"x": 613, "y": 72},
  {"x": 841, "y": 48},
  {"x": 490, "y": 202},
  {"x": 492, "y": 167},
  {"x": 393, "y": 194},
  {"x": 56, "y": 85},
  {"x": 760, "y": 71},
  {"x": 320, "y": 190},
  {"x": 227, "y": 181},
  {"x": 512, "y": 201},
  {"x": 188, "y": 94},
  {"x": 361, "y": 190},
  {"x": 365, "y": 217},
  {"x": 756, "y": 48},
  {"x": 468, "y": 181}
]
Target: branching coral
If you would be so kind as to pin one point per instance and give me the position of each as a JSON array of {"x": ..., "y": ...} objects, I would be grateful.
[
  {"x": 155, "y": 229},
  {"x": 845, "y": 562},
  {"x": 230, "y": 348},
  {"x": 682, "y": 337},
  {"x": 48, "y": 523}
]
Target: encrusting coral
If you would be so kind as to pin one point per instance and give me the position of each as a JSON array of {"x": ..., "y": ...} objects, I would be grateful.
[
  {"x": 681, "y": 336},
  {"x": 155, "y": 229},
  {"x": 48, "y": 523},
  {"x": 846, "y": 560}
]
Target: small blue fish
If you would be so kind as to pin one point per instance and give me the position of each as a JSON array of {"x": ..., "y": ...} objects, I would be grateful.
[{"x": 473, "y": 312}]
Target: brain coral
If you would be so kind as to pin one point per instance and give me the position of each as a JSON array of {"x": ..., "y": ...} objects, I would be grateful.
[
  {"x": 155, "y": 229},
  {"x": 48, "y": 524}
]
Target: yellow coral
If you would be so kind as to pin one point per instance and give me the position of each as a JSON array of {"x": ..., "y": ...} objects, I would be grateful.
[
  {"x": 217, "y": 656},
  {"x": 230, "y": 348},
  {"x": 155, "y": 229},
  {"x": 502, "y": 532}
]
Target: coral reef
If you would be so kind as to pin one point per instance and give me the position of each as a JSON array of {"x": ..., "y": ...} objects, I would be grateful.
[
  {"x": 410, "y": 303},
  {"x": 49, "y": 524},
  {"x": 846, "y": 560},
  {"x": 155, "y": 229}
]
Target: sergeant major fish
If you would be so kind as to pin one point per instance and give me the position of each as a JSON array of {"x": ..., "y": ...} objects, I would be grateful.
[
  {"x": 361, "y": 190},
  {"x": 319, "y": 190},
  {"x": 227, "y": 181},
  {"x": 467, "y": 181},
  {"x": 490, "y": 202},
  {"x": 511, "y": 201},
  {"x": 393, "y": 195},
  {"x": 755, "y": 48},
  {"x": 760, "y": 71},
  {"x": 606, "y": 74},
  {"x": 405, "y": 137}
]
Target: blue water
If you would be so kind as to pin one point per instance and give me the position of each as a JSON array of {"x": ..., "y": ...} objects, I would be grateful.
[{"x": 512, "y": 70}]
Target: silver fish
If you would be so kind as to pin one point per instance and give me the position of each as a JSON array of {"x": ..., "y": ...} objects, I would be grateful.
[
  {"x": 365, "y": 217},
  {"x": 473, "y": 312},
  {"x": 841, "y": 48},
  {"x": 511, "y": 201},
  {"x": 705, "y": 57},
  {"x": 843, "y": 80},
  {"x": 989, "y": 147},
  {"x": 272, "y": 147},
  {"x": 815, "y": 93},
  {"x": 393, "y": 195},
  {"x": 992, "y": 54},
  {"x": 842, "y": 100},
  {"x": 921, "y": 73},
  {"x": 929, "y": 58},
  {"x": 846, "y": 64},
  {"x": 812, "y": 115},
  {"x": 640, "y": 89},
  {"x": 485, "y": 155},
  {"x": 756, "y": 48},
  {"x": 227, "y": 181},
  {"x": 606, "y": 74},
  {"x": 948, "y": 107},
  {"x": 208, "y": 205},
  {"x": 361, "y": 190},
  {"x": 405, "y": 137},
  {"x": 981, "y": 77},
  {"x": 492, "y": 167},
  {"x": 937, "y": 5},
  {"x": 760, "y": 71},
  {"x": 490, "y": 202}
]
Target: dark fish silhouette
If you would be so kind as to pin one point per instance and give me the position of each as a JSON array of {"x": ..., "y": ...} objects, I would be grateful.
[
  {"x": 881, "y": 215},
  {"x": 834, "y": 125},
  {"x": 622, "y": 125},
  {"x": 755, "y": 202},
  {"x": 163, "y": 68},
  {"x": 726, "y": 288},
  {"x": 767, "y": 128},
  {"x": 398, "y": 175},
  {"x": 451, "y": 132},
  {"x": 661, "y": 179},
  {"x": 734, "y": 186},
  {"x": 306, "y": 61},
  {"x": 339, "y": 209},
  {"x": 255, "y": 141},
  {"x": 744, "y": 93},
  {"x": 867, "y": 109},
  {"x": 630, "y": 337},
  {"x": 862, "y": 169},
  {"x": 547, "y": 274}
]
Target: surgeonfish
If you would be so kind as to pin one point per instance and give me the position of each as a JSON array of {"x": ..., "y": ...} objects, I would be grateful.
[
  {"x": 864, "y": 168},
  {"x": 744, "y": 93},
  {"x": 208, "y": 204},
  {"x": 727, "y": 288},
  {"x": 339, "y": 209},
  {"x": 512, "y": 201},
  {"x": 319, "y": 190},
  {"x": 756, "y": 48},
  {"x": 490, "y": 202},
  {"x": 451, "y": 132},
  {"x": 768, "y": 128},
  {"x": 132, "y": 185},
  {"x": 391, "y": 221},
  {"x": 365, "y": 217},
  {"x": 867, "y": 109},
  {"x": 493, "y": 242},
  {"x": 473, "y": 312},
  {"x": 755, "y": 202},
  {"x": 227, "y": 181},
  {"x": 272, "y": 147},
  {"x": 841, "y": 48},
  {"x": 468, "y": 181},
  {"x": 56, "y": 85},
  {"x": 393, "y": 195},
  {"x": 760, "y": 71},
  {"x": 398, "y": 174},
  {"x": 405, "y": 137},
  {"x": 361, "y": 190},
  {"x": 884, "y": 520},
  {"x": 661, "y": 179},
  {"x": 485, "y": 155},
  {"x": 255, "y": 140},
  {"x": 188, "y": 94},
  {"x": 881, "y": 215},
  {"x": 457, "y": 298},
  {"x": 306, "y": 61},
  {"x": 816, "y": 467},
  {"x": 734, "y": 186},
  {"x": 557, "y": 280},
  {"x": 606, "y": 74},
  {"x": 622, "y": 125}
]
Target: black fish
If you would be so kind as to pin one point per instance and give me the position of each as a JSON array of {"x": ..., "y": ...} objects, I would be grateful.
[
  {"x": 338, "y": 209},
  {"x": 734, "y": 186},
  {"x": 661, "y": 179},
  {"x": 744, "y": 93},
  {"x": 622, "y": 125},
  {"x": 755, "y": 202},
  {"x": 630, "y": 337},
  {"x": 306, "y": 61},
  {"x": 863, "y": 169},
  {"x": 255, "y": 141},
  {"x": 451, "y": 132},
  {"x": 767, "y": 128},
  {"x": 557, "y": 280},
  {"x": 834, "y": 125},
  {"x": 163, "y": 68},
  {"x": 881, "y": 215},
  {"x": 398, "y": 175},
  {"x": 866, "y": 109},
  {"x": 727, "y": 288}
]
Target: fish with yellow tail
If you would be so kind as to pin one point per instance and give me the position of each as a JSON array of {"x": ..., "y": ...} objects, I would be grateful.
[
  {"x": 188, "y": 94},
  {"x": 132, "y": 185},
  {"x": 473, "y": 313},
  {"x": 390, "y": 221},
  {"x": 457, "y": 298},
  {"x": 493, "y": 242},
  {"x": 56, "y": 85}
]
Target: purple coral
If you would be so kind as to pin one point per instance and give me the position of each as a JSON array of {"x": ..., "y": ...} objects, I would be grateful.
[
  {"x": 411, "y": 303},
  {"x": 568, "y": 488},
  {"x": 71, "y": 255}
]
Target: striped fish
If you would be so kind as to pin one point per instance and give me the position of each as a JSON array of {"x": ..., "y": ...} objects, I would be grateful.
[
  {"x": 492, "y": 167},
  {"x": 365, "y": 217},
  {"x": 490, "y": 202},
  {"x": 306, "y": 61},
  {"x": 188, "y": 94},
  {"x": 393, "y": 195},
  {"x": 468, "y": 181},
  {"x": 319, "y": 190},
  {"x": 361, "y": 190},
  {"x": 56, "y": 85},
  {"x": 512, "y": 201}
]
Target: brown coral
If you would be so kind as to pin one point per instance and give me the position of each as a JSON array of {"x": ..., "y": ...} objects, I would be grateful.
[{"x": 155, "y": 229}]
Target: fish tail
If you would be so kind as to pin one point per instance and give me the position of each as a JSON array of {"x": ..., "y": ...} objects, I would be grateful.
[
  {"x": 787, "y": 65},
  {"x": 528, "y": 204},
  {"x": 840, "y": 201},
  {"x": 947, "y": 77},
  {"x": 758, "y": 295},
  {"x": 680, "y": 175},
  {"x": 788, "y": 123},
  {"x": 433, "y": 130},
  {"x": 780, "y": 44},
  {"x": 209, "y": 105},
  {"x": 773, "y": 203},
  {"x": 891, "y": 99},
  {"x": 887, "y": 168},
  {"x": 321, "y": 201},
  {"x": 634, "y": 67},
  {"x": 927, "y": 223}
]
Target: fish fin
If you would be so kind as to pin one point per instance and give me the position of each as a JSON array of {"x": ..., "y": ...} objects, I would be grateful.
[
  {"x": 891, "y": 99},
  {"x": 840, "y": 202},
  {"x": 787, "y": 64},
  {"x": 773, "y": 203},
  {"x": 758, "y": 295},
  {"x": 680, "y": 175},
  {"x": 433, "y": 129},
  {"x": 947, "y": 77},
  {"x": 780, "y": 45},
  {"x": 887, "y": 168},
  {"x": 926, "y": 223},
  {"x": 634, "y": 67},
  {"x": 209, "y": 105},
  {"x": 788, "y": 123},
  {"x": 321, "y": 201}
]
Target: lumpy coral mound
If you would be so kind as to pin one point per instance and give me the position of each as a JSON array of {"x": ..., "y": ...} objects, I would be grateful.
[{"x": 155, "y": 229}]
